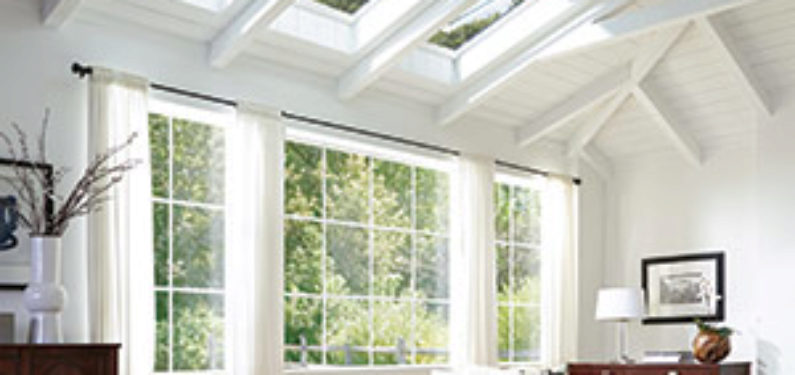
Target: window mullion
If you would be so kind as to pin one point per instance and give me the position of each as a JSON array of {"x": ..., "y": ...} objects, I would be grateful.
[
  {"x": 170, "y": 244},
  {"x": 371, "y": 251},
  {"x": 414, "y": 264},
  {"x": 323, "y": 260}
]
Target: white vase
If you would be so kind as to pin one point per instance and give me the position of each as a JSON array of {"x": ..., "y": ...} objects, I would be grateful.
[{"x": 45, "y": 297}]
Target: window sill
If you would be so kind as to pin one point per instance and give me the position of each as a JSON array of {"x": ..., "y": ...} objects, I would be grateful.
[{"x": 386, "y": 370}]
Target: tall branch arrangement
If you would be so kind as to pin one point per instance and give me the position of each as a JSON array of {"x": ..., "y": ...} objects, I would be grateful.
[{"x": 35, "y": 187}]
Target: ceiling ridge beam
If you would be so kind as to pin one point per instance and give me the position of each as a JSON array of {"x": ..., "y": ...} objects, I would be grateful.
[
  {"x": 683, "y": 141},
  {"x": 369, "y": 68},
  {"x": 738, "y": 66},
  {"x": 480, "y": 89},
  {"x": 55, "y": 13},
  {"x": 244, "y": 29},
  {"x": 582, "y": 37},
  {"x": 583, "y": 100}
]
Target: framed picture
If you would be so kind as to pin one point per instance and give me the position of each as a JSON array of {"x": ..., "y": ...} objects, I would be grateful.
[
  {"x": 680, "y": 289},
  {"x": 14, "y": 238},
  {"x": 14, "y": 317}
]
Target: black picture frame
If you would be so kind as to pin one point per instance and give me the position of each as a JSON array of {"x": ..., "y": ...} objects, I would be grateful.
[
  {"x": 719, "y": 261},
  {"x": 49, "y": 203}
]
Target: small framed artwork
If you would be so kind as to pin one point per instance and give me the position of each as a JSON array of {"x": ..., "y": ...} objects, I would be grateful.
[
  {"x": 14, "y": 238},
  {"x": 681, "y": 289}
]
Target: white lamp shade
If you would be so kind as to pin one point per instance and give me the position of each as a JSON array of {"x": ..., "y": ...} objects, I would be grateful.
[{"x": 619, "y": 304}]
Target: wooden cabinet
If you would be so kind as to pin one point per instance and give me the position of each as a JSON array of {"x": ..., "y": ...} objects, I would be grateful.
[
  {"x": 67, "y": 359},
  {"x": 661, "y": 369}
]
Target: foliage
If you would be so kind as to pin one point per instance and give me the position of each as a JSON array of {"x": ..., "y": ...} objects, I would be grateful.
[
  {"x": 398, "y": 290},
  {"x": 347, "y": 6},
  {"x": 709, "y": 328},
  {"x": 457, "y": 37}
]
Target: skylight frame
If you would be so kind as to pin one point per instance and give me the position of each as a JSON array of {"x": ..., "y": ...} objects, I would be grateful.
[
  {"x": 483, "y": 34},
  {"x": 215, "y": 6}
]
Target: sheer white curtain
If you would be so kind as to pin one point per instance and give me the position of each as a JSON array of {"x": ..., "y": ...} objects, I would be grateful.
[
  {"x": 473, "y": 338},
  {"x": 120, "y": 255},
  {"x": 560, "y": 259},
  {"x": 254, "y": 235}
]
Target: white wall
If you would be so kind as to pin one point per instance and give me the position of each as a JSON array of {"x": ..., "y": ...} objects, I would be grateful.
[
  {"x": 34, "y": 72},
  {"x": 742, "y": 201}
]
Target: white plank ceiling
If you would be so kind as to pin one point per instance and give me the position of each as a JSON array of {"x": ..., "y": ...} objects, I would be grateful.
[{"x": 694, "y": 83}]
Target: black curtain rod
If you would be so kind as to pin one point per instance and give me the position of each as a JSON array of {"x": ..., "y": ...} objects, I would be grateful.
[{"x": 84, "y": 70}]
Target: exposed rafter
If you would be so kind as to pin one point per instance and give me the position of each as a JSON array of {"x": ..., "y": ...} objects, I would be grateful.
[
  {"x": 645, "y": 62},
  {"x": 737, "y": 64},
  {"x": 597, "y": 161},
  {"x": 585, "y": 99},
  {"x": 382, "y": 19},
  {"x": 586, "y": 35},
  {"x": 244, "y": 28},
  {"x": 390, "y": 51},
  {"x": 55, "y": 13},
  {"x": 585, "y": 134},
  {"x": 681, "y": 138}
]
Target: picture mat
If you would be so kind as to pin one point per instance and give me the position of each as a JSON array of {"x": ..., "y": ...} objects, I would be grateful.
[{"x": 685, "y": 273}]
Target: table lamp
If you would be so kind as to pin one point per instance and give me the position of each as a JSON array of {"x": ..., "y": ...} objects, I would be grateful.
[{"x": 620, "y": 305}]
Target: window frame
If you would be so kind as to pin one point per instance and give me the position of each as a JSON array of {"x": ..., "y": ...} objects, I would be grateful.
[
  {"x": 373, "y": 151},
  {"x": 174, "y": 107},
  {"x": 514, "y": 180}
]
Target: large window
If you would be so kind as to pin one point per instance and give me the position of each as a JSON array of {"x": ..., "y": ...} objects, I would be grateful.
[
  {"x": 518, "y": 226},
  {"x": 366, "y": 259},
  {"x": 188, "y": 200}
]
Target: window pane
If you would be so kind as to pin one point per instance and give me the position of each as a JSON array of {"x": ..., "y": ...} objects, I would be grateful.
[
  {"x": 198, "y": 247},
  {"x": 348, "y": 323},
  {"x": 303, "y": 184},
  {"x": 527, "y": 276},
  {"x": 503, "y": 273},
  {"x": 198, "y": 162},
  {"x": 348, "y": 261},
  {"x": 527, "y": 211},
  {"x": 526, "y": 338},
  {"x": 391, "y": 194},
  {"x": 503, "y": 206},
  {"x": 347, "y": 186},
  {"x": 504, "y": 333},
  {"x": 303, "y": 317},
  {"x": 432, "y": 200},
  {"x": 392, "y": 326},
  {"x": 303, "y": 251},
  {"x": 432, "y": 327},
  {"x": 432, "y": 267},
  {"x": 160, "y": 229},
  {"x": 391, "y": 264},
  {"x": 159, "y": 154},
  {"x": 161, "y": 332},
  {"x": 198, "y": 332}
]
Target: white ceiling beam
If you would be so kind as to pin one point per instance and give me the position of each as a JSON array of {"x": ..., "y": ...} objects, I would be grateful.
[
  {"x": 597, "y": 161},
  {"x": 737, "y": 64},
  {"x": 389, "y": 52},
  {"x": 244, "y": 29},
  {"x": 55, "y": 13},
  {"x": 476, "y": 92},
  {"x": 582, "y": 36},
  {"x": 587, "y": 133},
  {"x": 582, "y": 101},
  {"x": 643, "y": 65},
  {"x": 681, "y": 138},
  {"x": 382, "y": 19}
]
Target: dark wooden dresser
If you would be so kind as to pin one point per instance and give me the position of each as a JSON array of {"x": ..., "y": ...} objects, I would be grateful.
[
  {"x": 661, "y": 369},
  {"x": 65, "y": 359}
]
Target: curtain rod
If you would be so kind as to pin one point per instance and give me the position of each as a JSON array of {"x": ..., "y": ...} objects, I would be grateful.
[{"x": 84, "y": 70}]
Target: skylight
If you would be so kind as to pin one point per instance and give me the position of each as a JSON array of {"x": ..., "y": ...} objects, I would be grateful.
[
  {"x": 474, "y": 21},
  {"x": 347, "y": 6}
]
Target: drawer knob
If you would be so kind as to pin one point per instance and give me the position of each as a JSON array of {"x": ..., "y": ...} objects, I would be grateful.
[{"x": 673, "y": 372}]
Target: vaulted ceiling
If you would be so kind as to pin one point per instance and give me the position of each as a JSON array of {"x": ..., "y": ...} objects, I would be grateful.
[{"x": 608, "y": 80}]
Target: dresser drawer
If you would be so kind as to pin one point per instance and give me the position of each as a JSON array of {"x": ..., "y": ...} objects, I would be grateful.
[{"x": 662, "y": 369}]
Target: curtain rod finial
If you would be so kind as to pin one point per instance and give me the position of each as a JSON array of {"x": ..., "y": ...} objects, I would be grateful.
[{"x": 81, "y": 70}]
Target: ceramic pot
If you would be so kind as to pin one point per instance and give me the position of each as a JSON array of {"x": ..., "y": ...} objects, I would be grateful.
[
  {"x": 710, "y": 347},
  {"x": 45, "y": 297}
]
